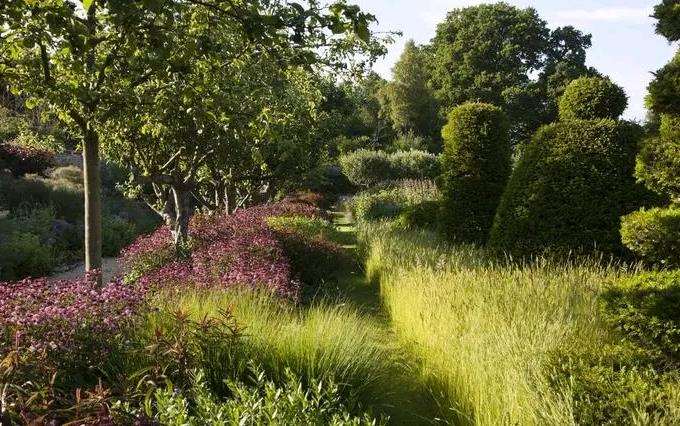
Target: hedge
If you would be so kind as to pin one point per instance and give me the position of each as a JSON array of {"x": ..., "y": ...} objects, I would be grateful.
[
  {"x": 659, "y": 160},
  {"x": 366, "y": 168},
  {"x": 569, "y": 189},
  {"x": 475, "y": 167}
]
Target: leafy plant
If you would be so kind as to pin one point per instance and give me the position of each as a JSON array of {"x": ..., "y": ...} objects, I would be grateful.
[{"x": 654, "y": 235}]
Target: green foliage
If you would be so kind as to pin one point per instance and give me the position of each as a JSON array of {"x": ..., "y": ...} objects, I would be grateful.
[
  {"x": 70, "y": 174},
  {"x": 569, "y": 189},
  {"x": 24, "y": 254},
  {"x": 412, "y": 106},
  {"x": 257, "y": 403},
  {"x": 422, "y": 215},
  {"x": 390, "y": 202},
  {"x": 654, "y": 235},
  {"x": 475, "y": 168},
  {"x": 592, "y": 98},
  {"x": 309, "y": 227},
  {"x": 370, "y": 168},
  {"x": 634, "y": 380},
  {"x": 11, "y": 125},
  {"x": 659, "y": 160},
  {"x": 414, "y": 165},
  {"x": 489, "y": 53},
  {"x": 668, "y": 15},
  {"x": 366, "y": 168},
  {"x": 382, "y": 204},
  {"x": 410, "y": 141},
  {"x": 117, "y": 233}
]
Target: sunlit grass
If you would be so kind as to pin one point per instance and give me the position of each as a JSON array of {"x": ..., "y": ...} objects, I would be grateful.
[
  {"x": 486, "y": 330},
  {"x": 325, "y": 340}
]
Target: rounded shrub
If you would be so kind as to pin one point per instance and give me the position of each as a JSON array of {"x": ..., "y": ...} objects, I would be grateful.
[
  {"x": 475, "y": 168},
  {"x": 414, "y": 164},
  {"x": 654, "y": 235},
  {"x": 664, "y": 90},
  {"x": 384, "y": 204},
  {"x": 366, "y": 168},
  {"x": 592, "y": 98},
  {"x": 570, "y": 188},
  {"x": 659, "y": 160}
]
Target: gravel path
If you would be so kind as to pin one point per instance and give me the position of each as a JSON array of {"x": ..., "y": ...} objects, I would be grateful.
[{"x": 110, "y": 269}]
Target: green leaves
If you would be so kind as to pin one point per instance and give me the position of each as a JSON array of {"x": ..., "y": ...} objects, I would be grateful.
[{"x": 87, "y": 4}]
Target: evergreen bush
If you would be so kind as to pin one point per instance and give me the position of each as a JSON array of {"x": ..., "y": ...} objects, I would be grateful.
[{"x": 475, "y": 167}]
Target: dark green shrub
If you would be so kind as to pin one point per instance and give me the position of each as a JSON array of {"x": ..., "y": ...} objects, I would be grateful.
[
  {"x": 422, "y": 215},
  {"x": 646, "y": 310},
  {"x": 117, "y": 233},
  {"x": 654, "y": 235},
  {"x": 592, "y": 98},
  {"x": 25, "y": 255},
  {"x": 366, "y": 168},
  {"x": 22, "y": 160},
  {"x": 659, "y": 160},
  {"x": 475, "y": 167},
  {"x": 570, "y": 188}
]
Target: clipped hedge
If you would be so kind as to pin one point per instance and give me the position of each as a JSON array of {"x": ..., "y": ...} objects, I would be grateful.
[
  {"x": 654, "y": 235},
  {"x": 569, "y": 189},
  {"x": 475, "y": 168},
  {"x": 366, "y": 168},
  {"x": 592, "y": 98}
]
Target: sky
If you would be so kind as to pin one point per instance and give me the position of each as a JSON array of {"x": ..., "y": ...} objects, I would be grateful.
[{"x": 625, "y": 46}]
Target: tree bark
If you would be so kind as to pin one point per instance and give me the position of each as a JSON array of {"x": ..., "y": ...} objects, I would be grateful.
[
  {"x": 180, "y": 227},
  {"x": 93, "y": 202},
  {"x": 229, "y": 198}
]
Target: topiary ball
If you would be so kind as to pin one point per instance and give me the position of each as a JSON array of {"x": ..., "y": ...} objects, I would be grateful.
[{"x": 592, "y": 98}]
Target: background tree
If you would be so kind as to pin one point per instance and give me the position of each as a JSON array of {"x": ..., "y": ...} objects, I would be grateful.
[
  {"x": 491, "y": 53},
  {"x": 233, "y": 111},
  {"x": 412, "y": 106},
  {"x": 66, "y": 57}
]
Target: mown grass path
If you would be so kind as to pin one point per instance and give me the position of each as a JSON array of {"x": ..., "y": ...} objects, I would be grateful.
[{"x": 414, "y": 403}]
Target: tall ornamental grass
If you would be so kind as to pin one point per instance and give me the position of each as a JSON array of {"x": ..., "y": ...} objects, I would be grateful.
[
  {"x": 487, "y": 331},
  {"x": 325, "y": 341}
]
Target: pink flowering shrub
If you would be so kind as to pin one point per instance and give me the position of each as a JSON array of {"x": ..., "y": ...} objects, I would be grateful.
[
  {"x": 44, "y": 316},
  {"x": 226, "y": 250}
]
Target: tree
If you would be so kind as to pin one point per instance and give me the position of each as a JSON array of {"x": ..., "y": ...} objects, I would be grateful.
[
  {"x": 86, "y": 61},
  {"x": 234, "y": 111},
  {"x": 491, "y": 53},
  {"x": 412, "y": 106},
  {"x": 67, "y": 56}
]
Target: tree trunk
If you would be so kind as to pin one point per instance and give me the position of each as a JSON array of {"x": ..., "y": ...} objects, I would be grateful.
[
  {"x": 93, "y": 202},
  {"x": 180, "y": 228},
  {"x": 229, "y": 198}
]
